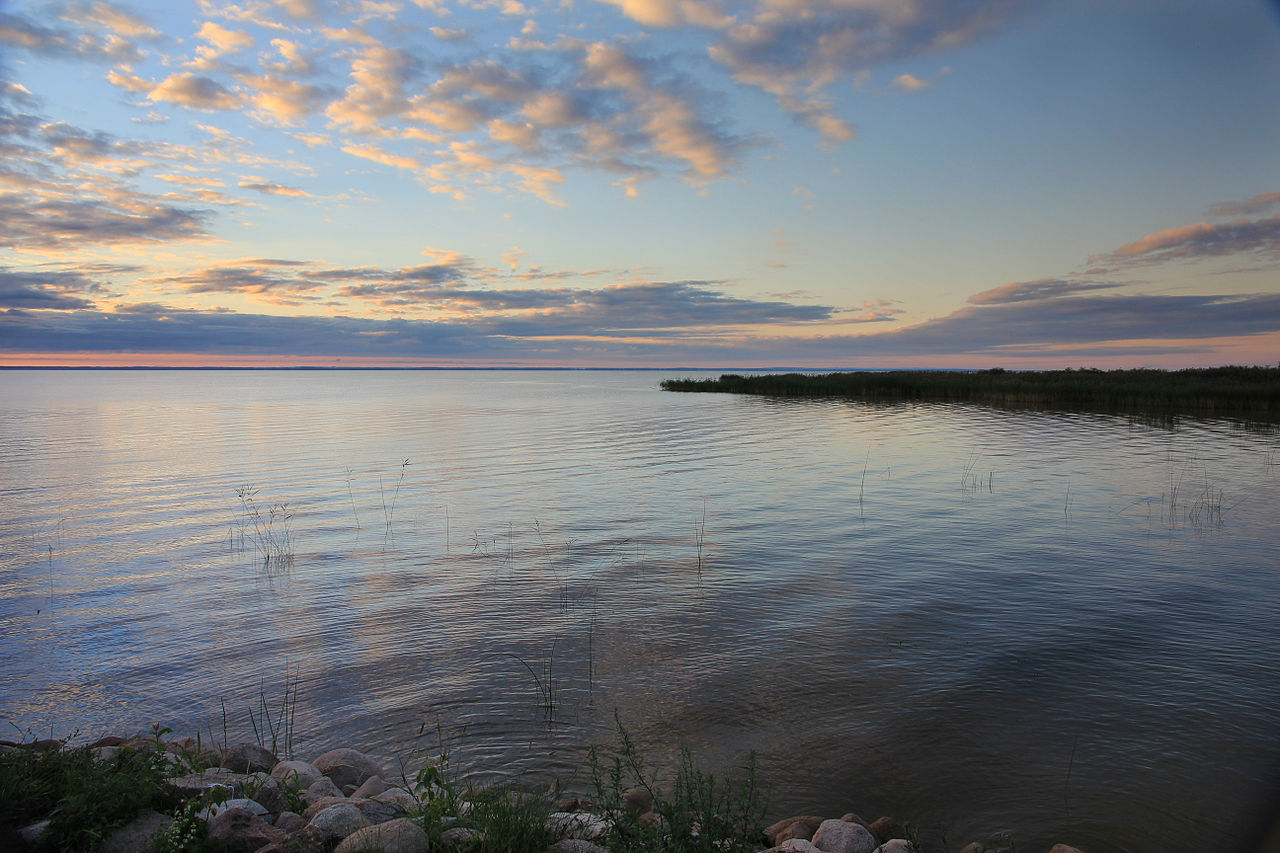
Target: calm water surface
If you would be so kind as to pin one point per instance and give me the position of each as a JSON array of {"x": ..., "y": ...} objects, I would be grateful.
[{"x": 1060, "y": 625}]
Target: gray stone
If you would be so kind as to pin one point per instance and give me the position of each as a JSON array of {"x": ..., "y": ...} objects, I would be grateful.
[
  {"x": 320, "y": 790},
  {"x": 240, "y": 829},
  {"x": 372, "y": 787},
  {"x": 638, "y": 801},
  {"x": 305, "y": 840},
  {"x": 323, "y": 803},
  {"x": 886, "y": 828},
  {"x": 577, "y": 825},
  {"x": 347, "y": 766},
  {"x": 249, "y": 758},
  {"x": 397, "y": 836},
  {"x": 251, "y": 806},
  {"x": 137, "y": 835},
  {"x": 774, "y": 833},
  {"x": 794, "y": 845},
  {"x": 397, "y": 797},
  {"x": 300, "y": 774},
  {"x": 1063, "y": 848},
  {"x": 896, "y": 845},
  {"x": 974, "y": 847},
  {"x": 459, "y": 836},
  {"x": 838, "y": 836},
  {"x": 577, "y": 845},
  {"x": 377, "y": 812},
  {"x": 195, "y": 784},
  {"x": 33, "y": 833},
  {"x": 290, "y": 821},
  {"x": 267, "y": 790},
  {"x": 104, "y": 753},
  {"x": 340, "y": 820}
]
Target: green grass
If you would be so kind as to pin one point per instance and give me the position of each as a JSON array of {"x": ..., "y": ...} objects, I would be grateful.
[{"x": 1238, "y": 391}]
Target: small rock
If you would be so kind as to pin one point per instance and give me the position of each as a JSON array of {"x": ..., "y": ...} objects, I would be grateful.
[
  {"x": 45, "y": 745},
  {"x": 249, "y": 758},
  {"x": 885, "y": 828},
  {"x": 104, "y": 753},
  {"x": 372, "y": 787},
  {"x": 459, "y": 836},
  {"x": 195, "y": 784},
  {"x": 1063, "y": 848},
  {"x": 576, "y": 845},
  {"x": 397, "y": 836},
  {"x": 240, "y": 829},
  {"x": 397, "y": 797},
  {"x": 577, "y": 825},
  {"x": 347, "y": 766},
  {"x": 320, "y": 790},
  {"x": 794, "y": 845},
  {"x": 340, "y": 820},
  {"x": 572, "y": 804},
  {"x": 655, "y": 820},
  {"x": 305, "y": 840},
  {"x": 254, "y": 808},
  {"x": 638, "y": 801},
  {"x": 850, "y": 817},
  {"x": 110, "y": 740},
  {"x": 773, "y": 833},
  {"x": 32, "y": 834},
  {"x": 136, "y": 835},
  {"x": 290, "y": 821},
  {"x": 839, "y": 836},
  {"x": 300, "y": 774},
  {"x": 376, "y": 812},
  {"x": 323, "y": 803},
  {"x": 896, "y": 845},
  {"x": 974, "y": 847}
]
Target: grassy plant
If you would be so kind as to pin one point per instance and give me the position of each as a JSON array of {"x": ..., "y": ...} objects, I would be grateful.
[
  {"x": 267, "y": 528},
  {"x": 389, "y": 510},
  {"x": 545, "y": 683},
  {"x": 351, "y": 496},
  {"x": 698, "y": 814},
  {"x": 275, "y": 733},
  {"x": 83, "y": 796},
  {"x": 700, "y": 535}
]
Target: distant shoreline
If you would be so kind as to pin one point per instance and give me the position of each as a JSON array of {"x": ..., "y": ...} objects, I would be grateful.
[{"x": 1235, "y": 391}]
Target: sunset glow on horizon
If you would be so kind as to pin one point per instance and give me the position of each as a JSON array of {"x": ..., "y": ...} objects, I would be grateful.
[{"x": 639, "y": 183}]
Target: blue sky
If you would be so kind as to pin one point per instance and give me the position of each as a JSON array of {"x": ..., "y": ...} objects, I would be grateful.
[{"x": 640, "y": 182}]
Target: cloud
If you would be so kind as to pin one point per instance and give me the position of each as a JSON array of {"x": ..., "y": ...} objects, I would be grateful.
[
  {"x": 1027, "y": 291},
  {"x": 274, "y": 189},
  {"x": 910, "y": 83},
  {"x": 44, "y": 291},
  {"x": 194, "y": 91},
  {"x": 99, "y": 32},
  {"x": 1202, "y": 240},
  {"x": 1258, "y": 204}
]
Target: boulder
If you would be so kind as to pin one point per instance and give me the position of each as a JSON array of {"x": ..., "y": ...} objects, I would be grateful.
[
  {"x": 974, "y": 847},
  {"x": 1063, "y": 848},
  {"x": 320, "y": 790},
  {"x": 195, "y": 784},
  {"x": 577, "y": 825},
  {"x": 794, "y": 845},
  {"x": 840, "y": 836},
  {"x": 339, "y": 821},
  {"x": 576, "y": 845},
  {"x": 32, "y": 834},
  {"x": 254, "y": 808},
  {"x": 240, "y": 829},
  {"x": 850, "y": 817},
  {"x": 249, "y": 758},
  {"x": 305, "y": 840},
  {"x": 300, "y": 774},
  {"x": 896, "y": 845},
  {"x": 372, "y": 787},
  {"x": 323, "y": 803},
  {"x": 377, "y": 812},
  {"x": 397, "y": 797},
  {"x": 110, "y": 740},
  {"x": 460, "y": 836},
  {"x": 774, "y": 832},
  {"x": 638, "y": 801},
  {"x": 397, "y": 836},
  {"x": 290, "y": 821},
  {"x": 137, "y": 835},
  {"x": 267, "y": 790},
  {"x": 104, "y": 753},
  {"x": 886, "y": 828},
  {"x": 347, "y": 766}
]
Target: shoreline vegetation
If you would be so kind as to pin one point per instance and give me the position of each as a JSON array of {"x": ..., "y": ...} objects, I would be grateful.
[
  {"x": 1249, "y": 393},
  {"x": 152, "y": 794}
]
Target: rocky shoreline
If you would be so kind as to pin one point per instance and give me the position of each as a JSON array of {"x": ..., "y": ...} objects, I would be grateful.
[{"x": 244, "y": 798}]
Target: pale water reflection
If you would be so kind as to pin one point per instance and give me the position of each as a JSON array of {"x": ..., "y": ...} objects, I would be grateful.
[{"x": 1062, "y": 625}]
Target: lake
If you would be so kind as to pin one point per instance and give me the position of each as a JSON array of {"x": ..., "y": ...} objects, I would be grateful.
[{"x": 1065, "y": 626}]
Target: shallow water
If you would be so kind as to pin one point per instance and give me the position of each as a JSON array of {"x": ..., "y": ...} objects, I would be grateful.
[{"x": 1060, "y": 625}]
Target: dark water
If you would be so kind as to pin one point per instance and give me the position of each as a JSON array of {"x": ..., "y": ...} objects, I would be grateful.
[{"x": 1064, "y": 626}]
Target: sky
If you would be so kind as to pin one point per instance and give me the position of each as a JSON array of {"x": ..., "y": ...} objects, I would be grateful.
[{"x": 640, "y": 183}]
